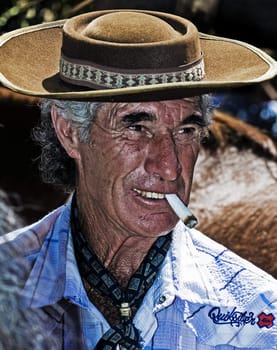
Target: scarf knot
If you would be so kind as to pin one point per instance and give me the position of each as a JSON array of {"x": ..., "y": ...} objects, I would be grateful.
[{"x": 125, "y": 334}]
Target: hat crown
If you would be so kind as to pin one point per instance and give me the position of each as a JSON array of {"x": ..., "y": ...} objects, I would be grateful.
[
  {"x": 127, "y": 48},
  {"x": 129, "y": 27}
]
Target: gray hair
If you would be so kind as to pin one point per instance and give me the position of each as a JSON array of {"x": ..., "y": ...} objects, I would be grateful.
[{"x": 56, "y": 166}]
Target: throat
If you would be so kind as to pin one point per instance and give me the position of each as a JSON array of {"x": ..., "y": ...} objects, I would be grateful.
[
  {"x": 104, "y": 304},
  {"x": 124, "y": 263}
]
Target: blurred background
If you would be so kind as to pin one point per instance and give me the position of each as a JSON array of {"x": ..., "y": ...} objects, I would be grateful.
[{"x": 235, "y": 192}]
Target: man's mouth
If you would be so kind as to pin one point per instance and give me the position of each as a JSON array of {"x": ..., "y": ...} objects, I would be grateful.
[
  {"x": 150, "y": 195},
  {"x": 176, "y": 204}
]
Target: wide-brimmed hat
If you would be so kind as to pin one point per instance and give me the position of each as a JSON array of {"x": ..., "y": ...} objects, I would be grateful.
[{"x": 127, "y": 55}]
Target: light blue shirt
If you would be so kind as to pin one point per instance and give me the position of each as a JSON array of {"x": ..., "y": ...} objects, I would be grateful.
[{"x": 204, "y": 298}]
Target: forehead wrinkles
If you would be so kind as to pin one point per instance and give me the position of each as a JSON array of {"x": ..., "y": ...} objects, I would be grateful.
[
  {"x": 175, "y": 112},
  {"x": 179, "y": 107},
  {"x": 110, "y": 111}
]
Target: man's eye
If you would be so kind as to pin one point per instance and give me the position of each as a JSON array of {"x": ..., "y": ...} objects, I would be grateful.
[
  {"x": 188, "y": 130},
  {"x": 137, "y": 132},
  {"x": 187, "y": 133},
  {"x": 136, "y": 127}
]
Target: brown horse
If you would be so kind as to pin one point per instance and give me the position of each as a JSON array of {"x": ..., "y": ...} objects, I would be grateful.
[{"x": 235, "y": 190}]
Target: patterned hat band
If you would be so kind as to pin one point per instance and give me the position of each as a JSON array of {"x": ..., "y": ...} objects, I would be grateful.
[{"x": 96, "y": 76}]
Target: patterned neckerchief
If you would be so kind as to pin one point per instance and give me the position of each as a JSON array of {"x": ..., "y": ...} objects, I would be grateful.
[{"x": 98, "y": 277}]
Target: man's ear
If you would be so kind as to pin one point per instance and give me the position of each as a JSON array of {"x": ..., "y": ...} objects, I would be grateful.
[{"x": 66, "y": 134}]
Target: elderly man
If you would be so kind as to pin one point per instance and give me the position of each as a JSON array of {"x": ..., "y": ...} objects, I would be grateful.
[{"x": 115, "y": 268}]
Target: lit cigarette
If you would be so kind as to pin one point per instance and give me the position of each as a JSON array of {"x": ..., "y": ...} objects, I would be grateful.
[{"x": 181, "y": 210}]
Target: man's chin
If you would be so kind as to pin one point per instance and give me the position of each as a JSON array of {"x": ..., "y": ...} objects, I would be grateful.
[{"x": 158, "y": 227}]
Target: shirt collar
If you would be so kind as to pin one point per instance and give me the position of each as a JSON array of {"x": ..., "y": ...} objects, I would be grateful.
[
  {"x": 187, "y": 271},
  {"x": 183, "y": 275},
  {"x": 55, "y": 267},
  {"x": 191, "y": 277}
]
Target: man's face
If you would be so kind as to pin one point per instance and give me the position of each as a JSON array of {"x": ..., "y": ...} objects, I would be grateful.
[{"x": 139, "y": 152}]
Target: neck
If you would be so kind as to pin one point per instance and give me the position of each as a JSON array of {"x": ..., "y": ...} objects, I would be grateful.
[{"x": 119, "y": 251}]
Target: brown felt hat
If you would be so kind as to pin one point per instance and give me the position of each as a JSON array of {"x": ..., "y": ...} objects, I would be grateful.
[{"x": 126, "y": 55}]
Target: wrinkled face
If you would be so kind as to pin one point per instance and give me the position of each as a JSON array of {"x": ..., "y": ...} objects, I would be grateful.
[{"x": 139, "y": 152}]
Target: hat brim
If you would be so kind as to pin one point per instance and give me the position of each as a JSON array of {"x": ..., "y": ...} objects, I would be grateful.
[{"x": 30, "y": 65}]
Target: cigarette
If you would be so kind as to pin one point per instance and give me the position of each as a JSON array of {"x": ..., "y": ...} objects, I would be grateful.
[{"x": 181, "y": 210}]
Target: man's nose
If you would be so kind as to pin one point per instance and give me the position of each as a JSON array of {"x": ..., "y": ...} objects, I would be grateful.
[{"x": 162, "y": 159}]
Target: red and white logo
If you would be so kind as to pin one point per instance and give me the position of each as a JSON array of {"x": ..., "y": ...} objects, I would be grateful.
[{"x": 265, "y": 320}]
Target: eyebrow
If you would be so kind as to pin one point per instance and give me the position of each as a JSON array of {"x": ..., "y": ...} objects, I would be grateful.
[
  {"x": 138, "y": 117},
  {"x": 144, "y": 116},
  {"x": 194, "y": 119}
]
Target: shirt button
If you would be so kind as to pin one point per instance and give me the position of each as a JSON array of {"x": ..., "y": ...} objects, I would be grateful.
[{"x": 162, "y": 299}]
